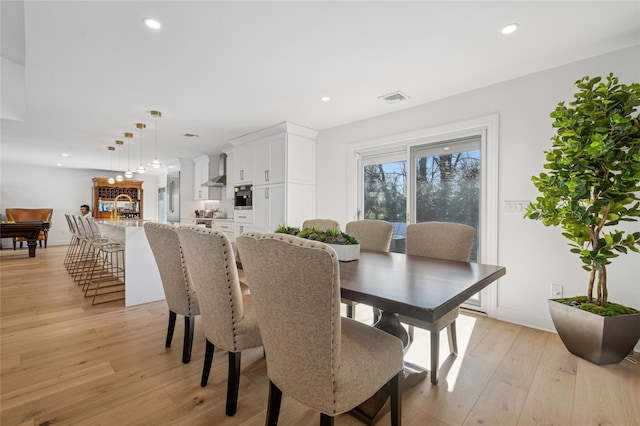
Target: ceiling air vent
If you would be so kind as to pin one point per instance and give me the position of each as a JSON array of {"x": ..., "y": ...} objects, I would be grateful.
[
  {"x": 394, "y": 97},
  {"x": 191, "y": 135}
]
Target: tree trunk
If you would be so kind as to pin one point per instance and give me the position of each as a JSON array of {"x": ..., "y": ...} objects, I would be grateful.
[
  {"x": 602, "y": 286},
  {"x": 592, "y": 278}
]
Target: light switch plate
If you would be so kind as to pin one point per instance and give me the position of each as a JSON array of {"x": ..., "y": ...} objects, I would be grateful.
[{"x": 515, "y": 206}]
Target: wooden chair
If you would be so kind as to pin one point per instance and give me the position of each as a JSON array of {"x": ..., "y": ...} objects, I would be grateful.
[
  {"x": 228, "y": 317},
  {"x": 439, "y": 240},
  {"x": 372, "y": 235},
  {"x": 26, "y": 215},
  {"x": 178, "y": 290},
  {"x": 327, "y": 362}
]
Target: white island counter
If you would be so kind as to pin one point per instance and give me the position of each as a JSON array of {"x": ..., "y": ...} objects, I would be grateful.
[{"x": 142, "y": 279}]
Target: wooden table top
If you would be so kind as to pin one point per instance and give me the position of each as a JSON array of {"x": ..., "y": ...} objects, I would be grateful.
[
  {"x": 414, "y": 286},
  {"x": 22, "y": 229}
]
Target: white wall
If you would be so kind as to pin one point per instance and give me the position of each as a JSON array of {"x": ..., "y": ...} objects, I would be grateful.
[
  {"x": 63, "y": 190},
  {"x": 535, "y": 256}
]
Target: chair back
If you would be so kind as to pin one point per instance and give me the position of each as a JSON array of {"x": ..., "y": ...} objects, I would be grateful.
[
  {"x": 178, "y": 291},
  {"x": 71, "y": 224},
  {"x": 212, "y": 267},
  {"x": 26, "y": 215},
  {"x": 295, "y": 287},
  {"x": 91, "y": 229},
  {"x": 93, "y": 226},
  {"x": 440, "y": 240},
  {"x": 321, "y": 224},
  {"x": 79, "y": 226},
  {"x": 372, "y": 234}
]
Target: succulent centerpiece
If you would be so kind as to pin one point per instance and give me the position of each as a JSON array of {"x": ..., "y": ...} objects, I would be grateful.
[{"x": 346, "y": 246}]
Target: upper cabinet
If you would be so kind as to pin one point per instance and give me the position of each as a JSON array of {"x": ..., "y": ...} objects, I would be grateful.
[
  {"x": 228, "y": 194},
  {"x": 283, "y": 174},
  {"x": 269, "y": 160},
  {"x": 242, "y": 168},
  {"x": 203, "y": 169},
  {"x": 285, "y": 152}
]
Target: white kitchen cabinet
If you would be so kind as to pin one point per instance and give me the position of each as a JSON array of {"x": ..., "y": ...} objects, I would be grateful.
[
  {"x": 269, "y": 207},
  {"x": 269, "y": 160},
  {"x": 227, "y": 228},
  {"x": 242, "y": 164},
  {"x": 228, "y": 193},
  {"x": 284, "y": 175},
  {"x": 201, "y": 174},
  {"x": 282, "y": 204},
  {"x": 241, "y": 228}
]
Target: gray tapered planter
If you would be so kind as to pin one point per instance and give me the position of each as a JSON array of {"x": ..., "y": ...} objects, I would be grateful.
[{"x": 600, "y": 340}]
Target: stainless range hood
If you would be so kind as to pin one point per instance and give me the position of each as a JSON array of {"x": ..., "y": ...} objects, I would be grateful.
[{"x": 221, "y": 179}]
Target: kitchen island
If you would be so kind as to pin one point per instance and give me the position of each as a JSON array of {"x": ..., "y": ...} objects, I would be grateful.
[{"x": 142, "y": 280}]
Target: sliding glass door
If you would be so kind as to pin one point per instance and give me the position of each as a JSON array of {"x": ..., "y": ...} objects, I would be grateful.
[
  {"x": 383, "y": 192},
  {"x": 443, "y": 183},
  {"x": 447, "y": 183}
]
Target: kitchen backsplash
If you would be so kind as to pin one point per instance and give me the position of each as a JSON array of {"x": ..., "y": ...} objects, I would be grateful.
[{"x": 225, "y": 205}]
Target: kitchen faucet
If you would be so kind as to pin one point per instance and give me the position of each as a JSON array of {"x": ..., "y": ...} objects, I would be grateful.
[{"x": 114, "y": 212}]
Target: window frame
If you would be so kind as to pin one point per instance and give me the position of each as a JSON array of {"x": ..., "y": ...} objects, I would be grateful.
[{"x": 488, "y": 126}]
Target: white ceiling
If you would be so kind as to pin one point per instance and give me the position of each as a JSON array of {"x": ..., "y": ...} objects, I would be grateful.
[{"x": 225, "y": 69}]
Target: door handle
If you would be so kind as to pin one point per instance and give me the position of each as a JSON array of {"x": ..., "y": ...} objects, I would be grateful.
[{"x": 171, "y": 196}]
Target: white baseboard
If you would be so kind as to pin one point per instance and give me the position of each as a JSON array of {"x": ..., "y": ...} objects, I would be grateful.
[{"x": 517, "y": 317}]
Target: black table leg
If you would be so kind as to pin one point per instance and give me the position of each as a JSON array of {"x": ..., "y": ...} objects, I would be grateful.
[{"x": 32, "y": 244}]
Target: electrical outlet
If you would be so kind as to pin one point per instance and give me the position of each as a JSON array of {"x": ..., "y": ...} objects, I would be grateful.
[{"x": 556, "y": 291}]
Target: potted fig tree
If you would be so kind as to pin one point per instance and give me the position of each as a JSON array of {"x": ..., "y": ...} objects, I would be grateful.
[{"x": 591, "y": 184}]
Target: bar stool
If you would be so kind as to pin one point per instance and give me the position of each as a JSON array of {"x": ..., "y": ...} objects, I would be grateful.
[
  {"x": 74, "y": 243},
  {"x": 81, "y": 260},
  {"x": 107, "y": 272}
]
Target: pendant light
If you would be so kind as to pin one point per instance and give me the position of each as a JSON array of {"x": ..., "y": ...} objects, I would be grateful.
[
  {"x": 119, "y": 177},
  {"x": 111, "y": 180},
  {"x": 128, "y": 174},
  {"x": 140, "y": 168},
  {"x": 155, "y": 163}
]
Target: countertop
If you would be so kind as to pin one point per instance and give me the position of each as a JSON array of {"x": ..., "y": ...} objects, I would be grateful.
[
  {"x": 124, "y": 223},
  {"x": 208, "y": 218}
]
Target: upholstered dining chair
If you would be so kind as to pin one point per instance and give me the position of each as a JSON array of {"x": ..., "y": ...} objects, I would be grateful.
[
  {"x": 179, "y": 293},
  {"x": 228, "y": 317},
  {"x": 372, "y": 235},
  {"x": 439, "y": 240},
  {"x": 327, "y": 362},
  {"x": 322, "y": 224}
]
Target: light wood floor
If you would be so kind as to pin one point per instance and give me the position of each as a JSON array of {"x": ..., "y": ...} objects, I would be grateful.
[{"x": 67, "y": 362}]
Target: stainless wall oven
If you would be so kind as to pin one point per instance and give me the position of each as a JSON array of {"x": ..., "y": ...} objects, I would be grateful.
[{"x": 243, "y": 198}]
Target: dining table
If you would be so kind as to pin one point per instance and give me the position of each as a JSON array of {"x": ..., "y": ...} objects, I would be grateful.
[{"x": 424, "y": 289}]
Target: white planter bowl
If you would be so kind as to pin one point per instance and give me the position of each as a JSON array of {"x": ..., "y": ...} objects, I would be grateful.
[{"x": 346, "y": 253}]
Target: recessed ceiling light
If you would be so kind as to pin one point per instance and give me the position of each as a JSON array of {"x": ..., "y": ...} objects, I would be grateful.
[
  {"x": 325, "y": 99},
  {"x": 152, "y": 23},
  {"x": 59, "y": 164},
  {"x": 508, "y": 29},
  {"x": 64, "y": 154},
  {"x": 446, "y": 148}
]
